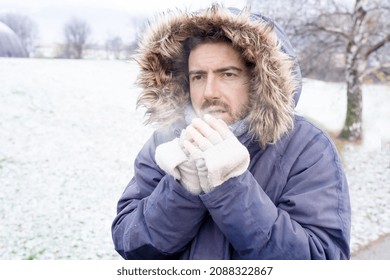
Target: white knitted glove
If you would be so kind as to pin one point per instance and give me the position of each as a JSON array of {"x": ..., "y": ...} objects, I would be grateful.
[
  {"x": 218, "y": 154},
  {"x": 172, "y": 159}
]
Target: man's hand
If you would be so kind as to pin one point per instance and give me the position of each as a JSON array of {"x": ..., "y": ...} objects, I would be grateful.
[
  {"x": 172, "y": 159},
  {"x": 218, "y": 154}
]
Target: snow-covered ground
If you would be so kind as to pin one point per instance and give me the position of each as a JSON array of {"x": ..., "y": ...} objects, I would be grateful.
[{"x": 69, "y": 133}]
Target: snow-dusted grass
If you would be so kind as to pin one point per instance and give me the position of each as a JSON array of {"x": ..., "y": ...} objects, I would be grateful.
[{"x": 69, "y": 133}]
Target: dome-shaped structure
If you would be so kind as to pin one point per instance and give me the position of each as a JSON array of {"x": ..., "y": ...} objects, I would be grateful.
[{"x": 10, "y": 45}]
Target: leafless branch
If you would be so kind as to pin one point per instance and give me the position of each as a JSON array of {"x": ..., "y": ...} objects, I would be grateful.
[
  {"x": 377, "y": 46},
  {"x": 328, "y": 29}
]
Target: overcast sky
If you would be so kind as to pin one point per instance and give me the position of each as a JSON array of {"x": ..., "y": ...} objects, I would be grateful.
[
  {"x": 134, "y": 7},
  {"x": 107, "y": 17}
]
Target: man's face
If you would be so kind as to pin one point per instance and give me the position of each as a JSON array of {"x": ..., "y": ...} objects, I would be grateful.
[{"x": 219, "y": 81}]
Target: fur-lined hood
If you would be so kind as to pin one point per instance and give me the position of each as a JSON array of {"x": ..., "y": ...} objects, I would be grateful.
[{"x": 275, "y": 79}]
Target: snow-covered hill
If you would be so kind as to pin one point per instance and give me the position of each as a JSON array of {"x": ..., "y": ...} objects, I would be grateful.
[{"x": 69, "y": 133}]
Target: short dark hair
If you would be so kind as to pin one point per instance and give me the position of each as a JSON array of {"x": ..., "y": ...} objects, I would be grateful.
[{"x": 217, "y": 36}]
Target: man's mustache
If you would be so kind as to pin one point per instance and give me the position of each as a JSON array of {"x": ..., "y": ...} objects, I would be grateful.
[{"x": 216, "y": 103}]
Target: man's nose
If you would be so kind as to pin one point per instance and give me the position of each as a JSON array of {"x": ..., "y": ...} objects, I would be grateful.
[{"x": 211, "y": 88}]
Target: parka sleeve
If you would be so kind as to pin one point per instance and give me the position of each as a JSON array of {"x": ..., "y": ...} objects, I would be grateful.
[
  {"x": 310, "y": 219},
  {"x": 156, "y": 217}
]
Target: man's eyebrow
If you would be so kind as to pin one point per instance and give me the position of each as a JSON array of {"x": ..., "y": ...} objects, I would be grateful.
[
  {"x": 196, "y": 72},
  {"x": 219, "y": 70},
  {"x": 228, "y": 68}
]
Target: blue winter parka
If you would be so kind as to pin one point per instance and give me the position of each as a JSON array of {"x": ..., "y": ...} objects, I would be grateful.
[{"x": 291, "y": 203}]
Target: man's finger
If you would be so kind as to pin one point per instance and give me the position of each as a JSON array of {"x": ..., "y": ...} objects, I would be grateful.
[
  {"x": 195, "y": 152},
  {"x": 219, "y": 125},
  {"x": 194, "y": 135},
  {"x": 207, "y": 131}
]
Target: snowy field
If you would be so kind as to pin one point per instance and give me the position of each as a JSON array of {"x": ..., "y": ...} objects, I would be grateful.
[{"x": 69, "y": 133}]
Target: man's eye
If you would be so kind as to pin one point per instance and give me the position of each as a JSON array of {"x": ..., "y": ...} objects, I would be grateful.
[
  {"x": 228, "y": 74},
  {"x": 196, "y": 77}
]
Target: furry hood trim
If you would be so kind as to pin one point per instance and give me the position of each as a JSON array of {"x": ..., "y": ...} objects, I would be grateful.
[{"x": 275, "y": 81}]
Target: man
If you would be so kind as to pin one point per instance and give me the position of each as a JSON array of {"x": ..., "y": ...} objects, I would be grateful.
[{"x": 232, "y": 173}]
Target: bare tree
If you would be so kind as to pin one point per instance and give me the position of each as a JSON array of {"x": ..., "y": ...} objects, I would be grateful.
[
  {"x": 76, "y": 33},
  {"x": 114, "y": 46},
  {"x": 316, "y": 51},
  {"x": 24, "y": 27},
  {"x": 365, "y": 35},
  {"x": 361, "y": 32}
]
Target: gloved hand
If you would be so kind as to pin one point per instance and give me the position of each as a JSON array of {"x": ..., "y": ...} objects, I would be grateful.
[
  {"x": 172, "y": 159},
  {"x": 218, "y": 154}
]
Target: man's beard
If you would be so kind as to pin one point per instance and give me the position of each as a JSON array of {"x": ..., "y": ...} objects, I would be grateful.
[{"x": 234, "y": 116}]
